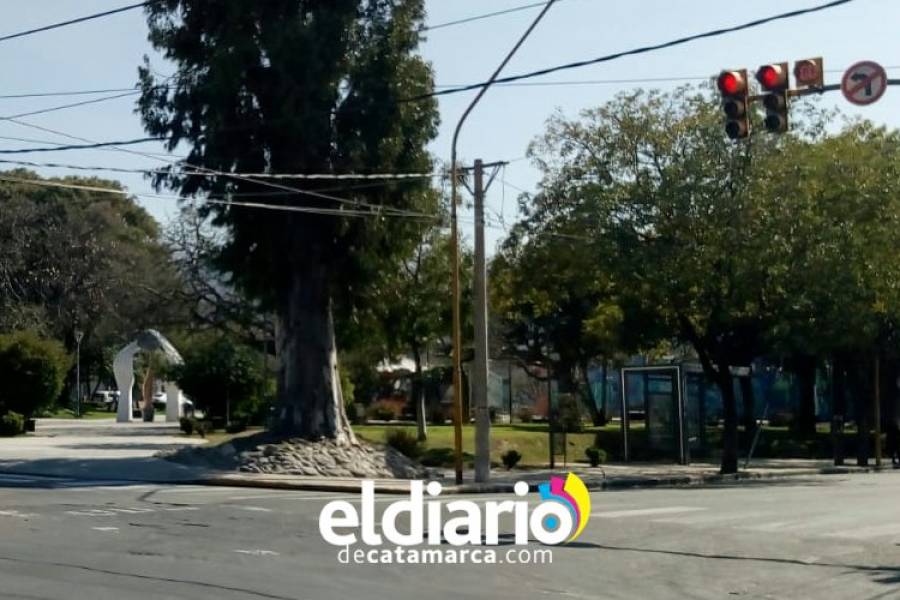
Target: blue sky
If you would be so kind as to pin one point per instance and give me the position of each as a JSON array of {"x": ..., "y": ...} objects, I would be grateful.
[{"x": 105, "y": 54}]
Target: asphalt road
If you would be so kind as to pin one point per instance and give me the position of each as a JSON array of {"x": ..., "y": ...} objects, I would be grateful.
[{"x": 826, "y": 537}]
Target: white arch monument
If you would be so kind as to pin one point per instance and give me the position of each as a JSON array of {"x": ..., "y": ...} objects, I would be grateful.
[{"x": 123, "y": 368}]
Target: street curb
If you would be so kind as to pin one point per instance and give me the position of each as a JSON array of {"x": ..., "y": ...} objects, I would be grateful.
[{"x": 592, "y": 483}]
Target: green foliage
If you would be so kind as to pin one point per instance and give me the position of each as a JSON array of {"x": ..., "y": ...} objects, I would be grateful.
[
  {"x": 595, "y": 456},
  {"x": 33, "y": 370},
  {"x": 288, "y": 87},
  {"x": 404, "y": 441},
  {"x": 236, "y": 426},
  {"x": 568, "y": 417},
  {"x": 203, "y": 427},
  {"x": 525, "y": 414},
  {"x": 383, "y": 410},
  {"x": 11, "y": 423},
  {"x": 510, "y": 458},
  {"x": 87, "y": 260},
  {"x": 217, "y": 371},
  {"x": 186, "y": 424}
]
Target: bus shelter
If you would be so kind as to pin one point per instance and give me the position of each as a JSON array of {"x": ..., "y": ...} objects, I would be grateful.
[{"x": 656, "y": 423}]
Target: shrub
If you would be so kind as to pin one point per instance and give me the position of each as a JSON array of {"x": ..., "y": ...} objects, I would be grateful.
[
  {"x": 186, "y": 425},
  {"x": 202, "y": 428},
  {"x": 33, "y": 370},
  {"x": 404, "y": 441},
  {"x": 236, "y": 426},
  {"x": 383, "y": 411},
  {"x": 781, "y": 419},
  {"x": 596, "y": 456},
  {"x": 11, "y": 424},
  {"x": 218, "y": 373},
  {"x": 437, "y": 415},
  {"x": 568, "y": 416},
  {"x": 526, "y": 414},
  {"x": 511, "y": 458}
]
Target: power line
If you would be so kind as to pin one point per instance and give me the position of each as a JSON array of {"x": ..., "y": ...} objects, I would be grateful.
[
  {"x": 636, "y": 51},
  {"x": 81, "y": 146},
  {"x": 260, "y": 205},
  {"x": 359, "y": 203},
  {"x": 72, "y": 105},
  {"x": 66, "y": 93},
  {"x": 387, "y": 177},
  {"x": 106, "y": 13},
  {"x": 479, "y": 17}
]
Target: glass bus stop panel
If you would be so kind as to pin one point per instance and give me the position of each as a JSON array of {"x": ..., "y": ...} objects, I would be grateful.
[
  {"x": 662, "y": 414},
  {"x": 694, "y": 413}
]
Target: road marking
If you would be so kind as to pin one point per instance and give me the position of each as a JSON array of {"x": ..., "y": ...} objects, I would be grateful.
[
  {"x": 252, "y": 508},
  {"x": 105, "y": 528},
  {"x": 666, "y": 510},
  {"x": 132, "y": 511},
  {"x": 258, "y": 552},
  {"x": 16, "y": 514},
  {"x": 862, "y": 533},
  {"x": 180, "y": 508},
  {"x": 91, "y": 512},
  {"x": 276, "y": 496},
  {"x": 705, "y": 519}
]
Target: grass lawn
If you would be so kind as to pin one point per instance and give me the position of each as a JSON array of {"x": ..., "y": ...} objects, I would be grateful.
[
  {"x": 87, "y": 412},
  {"x": 531, "y": 440}
]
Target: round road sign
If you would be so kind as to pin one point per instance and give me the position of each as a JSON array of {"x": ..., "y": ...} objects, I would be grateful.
[{"x": 864, "y": 83}]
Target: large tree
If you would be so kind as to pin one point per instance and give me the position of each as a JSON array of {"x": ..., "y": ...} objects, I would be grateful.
[
  {"x": 82, "y": 259},
  {"x": 294, "y": 86}
]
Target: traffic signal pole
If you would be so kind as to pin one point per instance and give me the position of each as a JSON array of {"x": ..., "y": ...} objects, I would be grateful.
[{"x": 454, "y": 251}]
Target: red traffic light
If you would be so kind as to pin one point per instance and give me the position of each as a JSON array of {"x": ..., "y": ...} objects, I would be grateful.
[
  {"x": 772, "y": 77},
  {"x": 731, "y": 83}
]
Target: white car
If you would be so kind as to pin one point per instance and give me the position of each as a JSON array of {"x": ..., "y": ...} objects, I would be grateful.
[{"x": 187, "y": 404}]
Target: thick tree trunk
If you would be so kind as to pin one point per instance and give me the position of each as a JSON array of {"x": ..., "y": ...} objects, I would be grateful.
[
  {"x": 729, "y": 432},
  {"x": 604, "y": 408},
  {"x": 838, "y": 408},
  {"x": 805, "y": 423},
  {"x": 748, "y": 400},
  {"x": 309, "y": 386},
  {"x": 418, "y": 396},
  {"x": 858, "y": 379}
]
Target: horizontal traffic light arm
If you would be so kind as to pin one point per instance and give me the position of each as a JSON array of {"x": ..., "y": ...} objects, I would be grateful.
[{"x": 834, "y": 87}]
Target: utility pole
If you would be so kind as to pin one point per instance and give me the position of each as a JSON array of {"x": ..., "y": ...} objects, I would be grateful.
[
  {"x": 454, "y": 252},
  {"x": 480, "y": 368},
  {"x": 78, "y": 336}
]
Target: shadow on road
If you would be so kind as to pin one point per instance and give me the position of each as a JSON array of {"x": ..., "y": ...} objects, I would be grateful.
[{"x": 890, "y": 575}]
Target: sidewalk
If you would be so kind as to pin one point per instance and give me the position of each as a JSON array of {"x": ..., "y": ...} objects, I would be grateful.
[
  {"x": 104, "y": 450},
  {"x": 98, "y": 449},
  {"x": 607, "y": 477}
]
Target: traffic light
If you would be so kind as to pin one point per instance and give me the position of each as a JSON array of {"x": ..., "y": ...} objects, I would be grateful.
[
  {"x": 735, "y": 102},
  {"x": 774, "y": 82},
  {"x": 808, "y": 73}
]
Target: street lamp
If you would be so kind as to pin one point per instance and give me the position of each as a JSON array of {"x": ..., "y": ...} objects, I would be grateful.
[
  {"x": 78, "y": 337},
  {"x": 454, "y": 254}
]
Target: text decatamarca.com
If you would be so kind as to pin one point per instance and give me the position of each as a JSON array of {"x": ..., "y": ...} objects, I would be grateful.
[{"x": 560, "y": 517}]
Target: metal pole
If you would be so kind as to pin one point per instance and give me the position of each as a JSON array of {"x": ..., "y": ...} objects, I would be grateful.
[
  {"x": 480, "y": 367},
  {"x": 877, "y": 415},
  {"x": 454, "y": 252},
  {"x": 78, "y": 337},
  {"x": 78, "y": 378},
  {"x": 510, "y": 391}
]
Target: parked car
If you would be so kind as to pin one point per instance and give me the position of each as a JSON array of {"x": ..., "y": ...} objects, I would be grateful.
[
  {"x": 187, "y": 405},
  {"x": 107, "y": 398}
]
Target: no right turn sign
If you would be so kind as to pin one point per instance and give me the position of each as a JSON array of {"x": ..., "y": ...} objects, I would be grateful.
[{"x": 864, "y": 83}]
